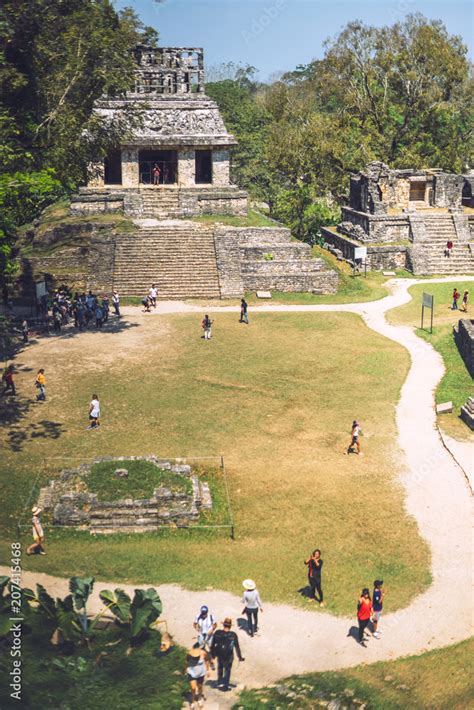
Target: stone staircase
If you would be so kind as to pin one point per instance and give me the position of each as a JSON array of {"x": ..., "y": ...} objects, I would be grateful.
[
  {"x": 178, "y": 256},
  {"x": 160, "y": 202},
  {"x": 439, "y": 229}
]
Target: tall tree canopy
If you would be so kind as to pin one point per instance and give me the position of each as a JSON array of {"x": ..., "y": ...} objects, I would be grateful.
[{"x": 56, "y": 58}]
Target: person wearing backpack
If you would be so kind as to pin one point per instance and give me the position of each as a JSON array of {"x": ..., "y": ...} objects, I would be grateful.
[
  {"x": 224, "y": 643},
  {"x": 206, "y": 325},
  {"x": 40, "y": 384},
  {"x": 205, "y": 626}
]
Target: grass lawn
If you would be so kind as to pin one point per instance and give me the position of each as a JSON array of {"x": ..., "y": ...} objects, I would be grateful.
[
  {"x": 437, "y": 680},
  {"x": 143, "y": 478},
  {"x": 277, "y": 399},
  {"x": 253, "y": 219},
  {"x": 96, "y": 678},
  {"x": 456, "y": 385}
]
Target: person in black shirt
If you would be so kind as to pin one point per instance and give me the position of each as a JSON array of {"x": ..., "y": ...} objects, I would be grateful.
[
  {"x": 377, "y": 604},
  {"x": 244, "y": 315},
  {"x": 224, "y": 643},
  {"x": 315, "y": 564}
]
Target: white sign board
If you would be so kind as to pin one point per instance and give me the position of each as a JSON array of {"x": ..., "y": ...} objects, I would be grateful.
[
  {"x": 360, "y": 253},
  {"x": 41, "y": 289}
]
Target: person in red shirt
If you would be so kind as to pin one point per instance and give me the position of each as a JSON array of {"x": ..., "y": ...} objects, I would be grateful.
[
  {"x": 456, "y": 296},
  {"x": 364, "y": 611},
  {"x": 156, "y": 174},
  {"x": 7, "y": 379}
]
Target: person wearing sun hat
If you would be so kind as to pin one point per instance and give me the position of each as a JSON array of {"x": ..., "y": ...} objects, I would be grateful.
[
  {"x": 252, "y": 601},
  {"x": 197, "y": 667},
  {"x": 224, "y": 643},
  {"x": 38, "y": 534}
]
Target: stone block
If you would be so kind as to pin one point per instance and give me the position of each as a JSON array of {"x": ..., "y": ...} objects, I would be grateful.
[
  {"x": 264, "y": 294},
  {"x": 444, "y": 408}
]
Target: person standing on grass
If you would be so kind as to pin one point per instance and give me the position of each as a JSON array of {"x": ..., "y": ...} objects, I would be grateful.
[
  {"x": 205, "y": 625},
  {"x": 377, "y": 604},
  {"x": 38, "y": 534},
  {"x": 94, "y": 412},
  {"x": 356, "y": 433},
  {"x": 456, "y": 296},
  {"x": 153, "y": 295},
  {"x": 40, "y": 383},
  {"x": 116, "y": 303},
  {"x": 197, "y": 668},
  {"x": 315, "y": 565},
  {"x": 244, "y": 308},
  {"x": 7, "y": 379},
  {"x": 465, "y": 299},
  {"x": 206, "y": 325},
  {"x": 252, "y": 601},
  {"x": 364, "y": 610},
  {"x": 224, "y": 643}
]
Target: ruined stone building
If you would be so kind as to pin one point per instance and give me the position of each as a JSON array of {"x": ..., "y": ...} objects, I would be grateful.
[
  {"x": 406, "y": 217},
  {"x": 173, "y": 167}
]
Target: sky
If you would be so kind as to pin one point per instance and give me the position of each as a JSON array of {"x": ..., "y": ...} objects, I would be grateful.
[{"x": 277, "y": 35}]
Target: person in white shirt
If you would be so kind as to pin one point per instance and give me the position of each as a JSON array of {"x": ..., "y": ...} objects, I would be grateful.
[
  {"x": 116, "y": 303},
  {"x": 356, "y": 433},
  {"x": 94, "y": 412},
  {"x": 252, "y": 601},
  {"x": 153, "y": 292},
  {"x": 205, "y": 625}
]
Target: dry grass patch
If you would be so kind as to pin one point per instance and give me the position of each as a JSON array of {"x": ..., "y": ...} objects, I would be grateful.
[{"x": 276, "y": 399}]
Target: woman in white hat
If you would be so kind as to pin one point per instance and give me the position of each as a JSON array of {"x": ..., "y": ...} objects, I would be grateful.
[
  {"x": 197, "y": 667},
  {"x": 252, "y": 601},
  {"x": 38, "y": 534}
]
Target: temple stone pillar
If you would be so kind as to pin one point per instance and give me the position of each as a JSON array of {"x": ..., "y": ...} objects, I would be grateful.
[
  {"x": 130, "y": 173},
  {"x": 186, "y": 168},
  {"x": 220, "y": 167},
  {"x": 97, "y": 175}
]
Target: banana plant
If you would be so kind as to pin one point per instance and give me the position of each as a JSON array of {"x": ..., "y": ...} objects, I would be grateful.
[
  {"x": 138, "y": 614},
  {"x": 11, "y": 606}
]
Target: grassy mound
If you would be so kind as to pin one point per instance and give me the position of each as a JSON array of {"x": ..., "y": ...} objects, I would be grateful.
[{"x": 143, "y": 478}]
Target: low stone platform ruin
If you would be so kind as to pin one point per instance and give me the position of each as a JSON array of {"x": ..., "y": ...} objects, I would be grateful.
[
  {"x": 463, "y": 334},
  {"x": 467, "y": 413},
  {"x": 72, "y": 504}
]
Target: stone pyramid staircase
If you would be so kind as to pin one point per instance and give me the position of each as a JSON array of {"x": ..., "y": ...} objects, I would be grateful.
[
  {"x": 160, "y": 202},
  {"x": 439, "y": 229},
  {"x": 178, "y": 256}
]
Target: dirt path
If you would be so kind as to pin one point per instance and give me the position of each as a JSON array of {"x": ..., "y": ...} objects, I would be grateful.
[{"x": 437, "y": 496}]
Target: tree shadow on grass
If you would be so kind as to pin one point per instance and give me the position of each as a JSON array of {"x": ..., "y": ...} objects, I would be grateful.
[{"x": 13, "y": 412}]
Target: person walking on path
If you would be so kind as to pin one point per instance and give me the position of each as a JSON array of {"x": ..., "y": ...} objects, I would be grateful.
[
  {"x": 356, "y": 433},
  {"x": 364, "y": 610},
  {"x": 153, "y": 293},
  {"x": 205, "y": 625},
  {"x": 206, "y": 325},
  {"x": 244, "y": 315},
  {"x": 197, "y": 668},
  {"x": 456, "y": 296},
  {"x": 116, "y": 303},
  {"x": 94, "y": 412},
  {"x": 224, "y": 643},
  {"x": 465, "y": 299},
  {"x": 377, "y": 604},
  {"x": 40, "y": 383},
  {"x": 315, "y": 565},
  {"x": 7, "y": 380},
  {"x": 38, "y": 535},
  {"x": 252, "y": 601}
]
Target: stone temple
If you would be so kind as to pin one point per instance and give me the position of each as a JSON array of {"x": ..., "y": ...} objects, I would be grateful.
[
  {"x": 173, "y": 167},
  {"x": 180, "y": 130},
  {"x": 404, "y": 218}
]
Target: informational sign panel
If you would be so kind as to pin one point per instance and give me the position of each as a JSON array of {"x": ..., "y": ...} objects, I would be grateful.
[
  {"x": 360, "y": 253},
  {"x": 427, "y": 302},
  {"x": 41, "y": 289}
]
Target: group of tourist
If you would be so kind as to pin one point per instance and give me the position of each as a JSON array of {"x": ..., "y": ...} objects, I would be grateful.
[
  {"x": 219, "y": 644},
  {"x": 456, "y": 297},
  {"x": 83, "y": 309}
]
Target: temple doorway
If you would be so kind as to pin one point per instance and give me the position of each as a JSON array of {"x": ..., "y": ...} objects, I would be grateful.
[
  {"x": 113, "y": 168},
  {"x": 167, "y": 162},
  {"x": 203, "y": 167}
]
